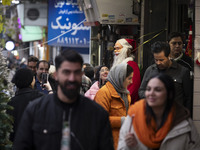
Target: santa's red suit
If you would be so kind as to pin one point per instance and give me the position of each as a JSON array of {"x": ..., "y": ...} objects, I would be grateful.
[{"x": 122, "y": 57}]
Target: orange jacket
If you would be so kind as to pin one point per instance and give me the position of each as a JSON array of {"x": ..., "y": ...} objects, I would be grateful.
[{"x": 108, "y": 97}]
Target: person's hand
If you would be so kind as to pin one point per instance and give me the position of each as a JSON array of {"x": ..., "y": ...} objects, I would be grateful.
[
  {"x": 130, "y": 140},
  {"x": 48, "y": 86}
]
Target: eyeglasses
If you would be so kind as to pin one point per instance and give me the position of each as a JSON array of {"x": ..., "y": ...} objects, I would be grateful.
[
  {"x": 174, "y": 43},
  {"x": 117, "y": 48}
]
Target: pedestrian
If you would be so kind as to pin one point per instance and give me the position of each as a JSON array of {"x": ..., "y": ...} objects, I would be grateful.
[
  {"x": 24, "y": 81},
  {"x": 32, "y": 62},
  {"x": 177, "y": 54},
  {"x": 163, "y": 64},
  {"x": 52, "y": 71},
  {"x": 101, "y": 78},
  {"x": 115, "y": 98},
  {"x": 158, "y": 122},
  {"x": 43, "y": 82},
  {"x": 23, "y": 63},
  {"x": 86, "y": 65},
  {"x": 175, "y": 41},
  {"x": 65, "y": 119},
  {"x": 85, "y": 84},
  {"x": 124, "y": 52},
  {"x": 89, "y": 72}
]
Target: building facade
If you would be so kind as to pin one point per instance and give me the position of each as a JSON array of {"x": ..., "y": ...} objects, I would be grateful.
[{"x": 196, "y": 93}]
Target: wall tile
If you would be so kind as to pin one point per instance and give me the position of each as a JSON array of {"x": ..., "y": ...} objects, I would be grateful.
[
  {"x": 197, "y": 125},
  {"x": 197, "y": 12},
  {"x": 196, "y": 85},
  {"x": 196, "y": 71},
  {"x": 197, "y": 29},
  {"x": 197, "y": 3},
  {"x": 197, "y": 42},
  {"x": 196, "y": 93},
  {"x": 196, "y": 112},
  {"x": 196, "y": 99}
]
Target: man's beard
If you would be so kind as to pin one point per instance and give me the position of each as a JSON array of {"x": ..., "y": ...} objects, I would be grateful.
[{"x": 70, "y": 93}]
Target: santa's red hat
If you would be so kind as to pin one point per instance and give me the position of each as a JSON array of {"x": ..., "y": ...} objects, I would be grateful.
[{"x": 129, "y": 43}]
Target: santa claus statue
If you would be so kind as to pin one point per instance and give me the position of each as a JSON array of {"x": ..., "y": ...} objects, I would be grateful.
[{"x": 124, "y": 52}]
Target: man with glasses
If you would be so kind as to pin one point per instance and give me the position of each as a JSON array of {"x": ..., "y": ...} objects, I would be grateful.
[{"x": 175, "y": 41}]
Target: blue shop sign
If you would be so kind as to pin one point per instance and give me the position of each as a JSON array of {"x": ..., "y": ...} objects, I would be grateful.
[{"x": 65, "y": 25}]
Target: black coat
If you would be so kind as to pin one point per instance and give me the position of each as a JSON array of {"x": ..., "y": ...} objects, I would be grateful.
[
  {"x": 186, "y": 61},
  {"x": 19, "y": 103},
  {"x": 41, "y": 126}
]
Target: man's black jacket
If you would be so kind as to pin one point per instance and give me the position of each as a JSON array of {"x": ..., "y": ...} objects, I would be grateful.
[
  {"x": 19, "y": 102},
  {"x": 41, "y": 125}
]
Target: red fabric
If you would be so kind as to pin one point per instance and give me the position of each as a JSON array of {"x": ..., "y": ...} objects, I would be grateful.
[
  {"x": 188, "y": 50},
  {"x": 131, "y": 42},
  {"x": 133, "y": 87}
]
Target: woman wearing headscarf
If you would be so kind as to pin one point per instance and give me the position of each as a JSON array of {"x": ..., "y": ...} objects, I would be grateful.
[
  {"x": 124, "y": 53},
  {"x": 100, "y": 77},
  {"x": 115, "y": 97},
  {"x": 158, "y": 122}
]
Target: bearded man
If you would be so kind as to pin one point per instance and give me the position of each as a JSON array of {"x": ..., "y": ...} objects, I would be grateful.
[{"x": 65, "y": 119}]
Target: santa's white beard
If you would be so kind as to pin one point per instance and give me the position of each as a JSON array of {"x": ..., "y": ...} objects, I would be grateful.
[{"x": 119, "y": 58}]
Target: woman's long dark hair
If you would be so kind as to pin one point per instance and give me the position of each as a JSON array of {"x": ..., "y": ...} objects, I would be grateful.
[{"x": 169, "y": 85}]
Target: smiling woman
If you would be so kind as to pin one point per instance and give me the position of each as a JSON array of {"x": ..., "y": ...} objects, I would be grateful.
[
  {"x": 158, "y": 122},
  {"x": 101, "y": 79},
  {"x": 156, "y": 94}
]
